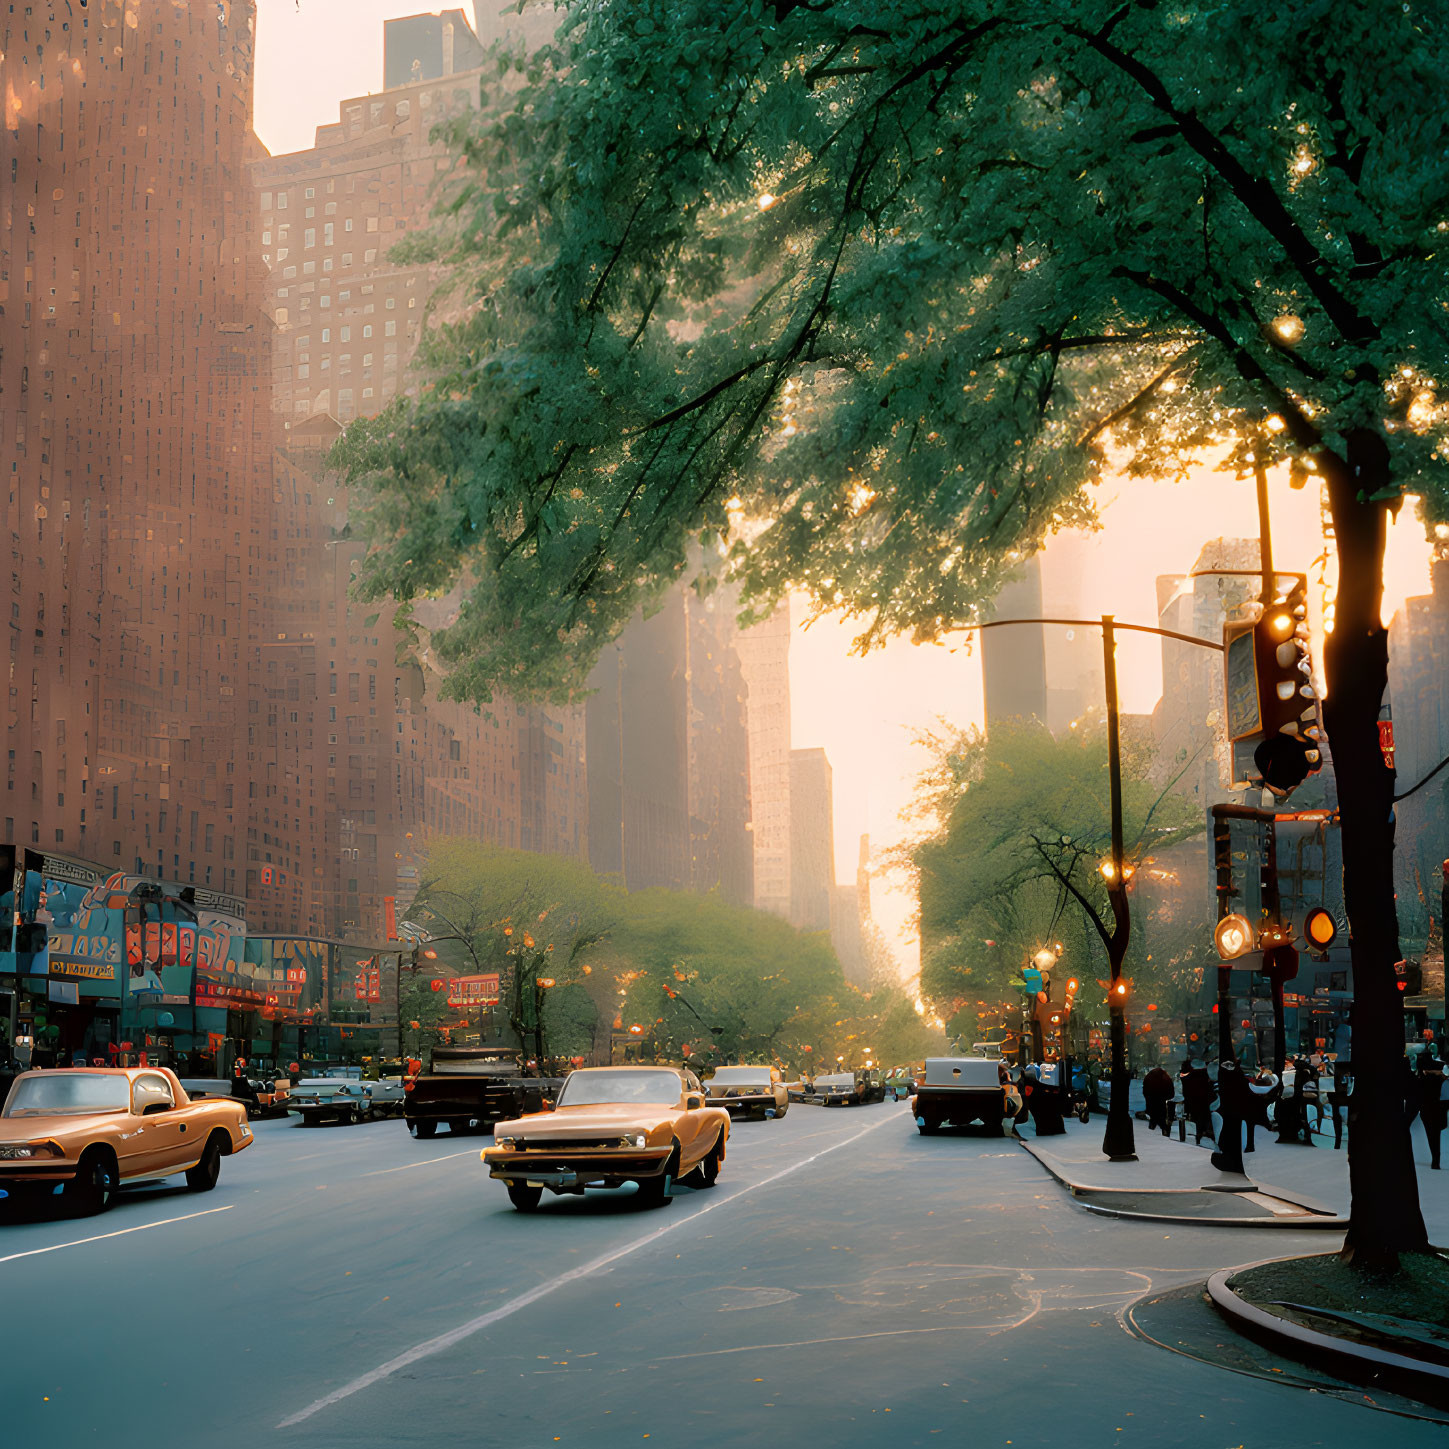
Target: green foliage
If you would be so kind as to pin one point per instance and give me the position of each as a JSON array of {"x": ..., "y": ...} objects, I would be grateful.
[
  {"x": 1013, "y": 867},
  {"x": 1004, "y": 238},
  {"x": 675, "y": 964}
]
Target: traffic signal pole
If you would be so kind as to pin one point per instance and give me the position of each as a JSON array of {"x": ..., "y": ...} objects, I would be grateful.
[{"x": 1118, "y": 1142}]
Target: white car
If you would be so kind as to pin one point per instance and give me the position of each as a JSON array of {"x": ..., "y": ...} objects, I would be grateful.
[{"x": 341, "y": 1094}]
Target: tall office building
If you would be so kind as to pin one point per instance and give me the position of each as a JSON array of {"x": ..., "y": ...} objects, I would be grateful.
[
  {"x": 427, "y": 47},
  {"x": 764, "y": 653},
  {"x": 530, "y": 27},
  {"x": 1013, "y": 661},
  {"x": 401, "y": 762},
  {"x": 668, "y": 753},
  {"x": 134, "y": 405},
  {"x": 812, "y": 840}
]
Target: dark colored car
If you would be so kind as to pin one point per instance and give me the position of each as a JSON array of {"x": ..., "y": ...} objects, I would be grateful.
[{"x": 471, "y": 1088}]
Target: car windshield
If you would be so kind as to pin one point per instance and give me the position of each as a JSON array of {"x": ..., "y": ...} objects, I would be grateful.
[
  {"x": 347, "y": 1074},
  {"x": 69, "y": 1092},
  {"x": 598, "y": 1086},
  {"x": 740, "y": 1076}
]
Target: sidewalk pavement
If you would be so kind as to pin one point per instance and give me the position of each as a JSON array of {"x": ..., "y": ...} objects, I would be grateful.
[
  {"x": 1176, "y": 1181},
  {"x": 1297, "y": 1172}
]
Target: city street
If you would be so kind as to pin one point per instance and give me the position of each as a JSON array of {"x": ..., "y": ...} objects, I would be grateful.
[{"x": 847, "y": 1277}]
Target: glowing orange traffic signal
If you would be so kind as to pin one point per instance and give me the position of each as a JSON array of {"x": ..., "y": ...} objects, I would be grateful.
[{"x": 1319, "y": 929}]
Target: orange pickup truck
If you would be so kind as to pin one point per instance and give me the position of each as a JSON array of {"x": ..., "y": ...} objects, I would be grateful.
[{"x": 90, "y": 1131}]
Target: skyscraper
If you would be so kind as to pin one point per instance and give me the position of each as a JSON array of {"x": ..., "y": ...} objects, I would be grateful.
[
  {"x": 1013, "y": 661},
  {"x": 134, "y": 390},
  {"x": 764, "y": 653},
  {"x": 668, "y": 753},
  {"x": 812, "y": 840}
]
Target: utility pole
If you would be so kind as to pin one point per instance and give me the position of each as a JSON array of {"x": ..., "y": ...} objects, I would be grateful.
[{"x": 1118, "y": 1142}]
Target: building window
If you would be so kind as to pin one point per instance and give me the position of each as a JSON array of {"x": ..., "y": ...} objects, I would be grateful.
[
  {"x": 367, "y": 331},
  {"x": 309, "y": 237},
  {"x": 281, "y": 201}
]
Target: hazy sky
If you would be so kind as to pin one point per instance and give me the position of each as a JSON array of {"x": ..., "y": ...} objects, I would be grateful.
[{"x": 312, "y": 54}]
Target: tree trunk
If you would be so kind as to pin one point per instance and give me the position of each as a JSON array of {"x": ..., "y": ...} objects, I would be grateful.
[{"x": 1385, "y": 1216}]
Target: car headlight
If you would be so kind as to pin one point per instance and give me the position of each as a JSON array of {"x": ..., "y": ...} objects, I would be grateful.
[
  {"x": 637, "y": 1139},
  {"x": 14, "y": 1152},
  {"x": 505, "y": 1142}
]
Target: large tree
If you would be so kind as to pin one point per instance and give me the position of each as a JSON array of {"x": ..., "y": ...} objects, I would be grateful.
[
  {"x": 876, "y": 290},
  {"x": 1011, "y": 862}
]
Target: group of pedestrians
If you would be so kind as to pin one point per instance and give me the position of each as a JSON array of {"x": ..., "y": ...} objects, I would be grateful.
[{"x": 1249, "y": 1098}]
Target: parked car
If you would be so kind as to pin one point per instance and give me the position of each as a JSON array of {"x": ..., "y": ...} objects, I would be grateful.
[
  {"x": 750, "y": 1091},
  {"x": 89, "y": 1132},
  {"x": 647, "y": 1125},
  {"x": 471, "y": 1088},
  {"x": 958, "y": 1091},
  {"x": 265, "y": 1097}
]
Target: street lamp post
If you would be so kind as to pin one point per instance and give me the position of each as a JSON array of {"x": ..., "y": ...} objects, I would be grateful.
[{"x": 1118, "y": 1142}]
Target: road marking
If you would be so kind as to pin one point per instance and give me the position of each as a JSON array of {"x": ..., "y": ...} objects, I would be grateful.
[
  {"x": 382, "y": 1171},
  {"x": 443, "y": 1341},
  {"x": 121, "y": 1233}
]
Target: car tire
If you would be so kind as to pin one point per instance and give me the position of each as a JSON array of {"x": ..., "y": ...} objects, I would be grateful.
[
  {"x": 93, "y": 1187},
  {"x": 707, "y": 1173},
  {"x": 457, "y": 1126},
  {"x": 654, "y": 1191},
  {"x": 202, "y": 1177},
  {"x": 424, "y": 1130},
  {"x": 525, "y": 1198},
  {"x": 928, "y": 1128}
]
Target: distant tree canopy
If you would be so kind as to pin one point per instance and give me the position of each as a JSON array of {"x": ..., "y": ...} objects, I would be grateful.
[
  {"x": 1013, "y": 867},
  {"x": 727, "y": 982}
]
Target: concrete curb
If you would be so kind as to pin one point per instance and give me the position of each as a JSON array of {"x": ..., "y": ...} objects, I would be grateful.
[
  {"x": 1422, "y": 1380},
  {"x": 1313, "y": 1221}
]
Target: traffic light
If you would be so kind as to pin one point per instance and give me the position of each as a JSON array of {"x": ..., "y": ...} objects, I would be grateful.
[
  {"x": 1270, "y": 693},
  {"x": 1408, "y": 977},
  {"x": 1319, "y": 929}
]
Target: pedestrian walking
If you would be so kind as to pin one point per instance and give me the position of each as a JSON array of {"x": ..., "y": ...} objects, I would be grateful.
[
  {"x": 1338, "y": 1094},
  {"x": 1433, "y": 1103},
  {"x": 1262, "y": 1093},
  {"x": 1198, "y": 1092},
  {"x": 1157, "y": 1091}
]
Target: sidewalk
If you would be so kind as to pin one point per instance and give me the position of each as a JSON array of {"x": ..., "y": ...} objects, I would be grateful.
[{"x": 1176, "y": 1182}]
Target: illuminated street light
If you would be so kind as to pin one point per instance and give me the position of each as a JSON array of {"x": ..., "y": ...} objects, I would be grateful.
[{"x": 1233, "y": 937}]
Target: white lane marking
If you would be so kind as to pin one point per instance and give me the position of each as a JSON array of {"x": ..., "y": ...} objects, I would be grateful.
[
  {"x": 475, "y": 1325},
  {"x": 121, "y": 1233},
  {"x": 428, "y": 1162}
]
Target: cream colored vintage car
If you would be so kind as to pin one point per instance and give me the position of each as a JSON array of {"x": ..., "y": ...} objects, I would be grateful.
[
  {"x": 89, "y": 1132},
  {"x": 612, "y": 1125}
]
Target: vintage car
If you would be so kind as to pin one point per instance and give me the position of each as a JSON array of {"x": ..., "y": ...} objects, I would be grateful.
[
  {"x": 341, "y": 1094},
  {"x": 87, "y": 1132},
  {"x": 957, "y": 1091},
  {"x": 612, "y": 1125},
  {"x": 471, "y": 1088},
  {"x": 751, "y": 1091},
  {"x": 849, "y": 1089}
]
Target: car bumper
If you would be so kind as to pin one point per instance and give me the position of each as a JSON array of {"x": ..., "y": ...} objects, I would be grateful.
[
  {"x": 575, "y": 1169},
  {"x": 757, "y": 1103},
  {"x": 18, "y": 1174}
]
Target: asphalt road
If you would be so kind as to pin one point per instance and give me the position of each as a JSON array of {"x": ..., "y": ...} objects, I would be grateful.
[{"x": 847, "y": 1282}]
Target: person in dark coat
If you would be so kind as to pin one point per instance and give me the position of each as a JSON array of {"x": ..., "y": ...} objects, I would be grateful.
[
  {"x": 1157, "y": 1089},
  {"x": 1433, "y": 1107},
  {"x": 1198, "y": 1092}
]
